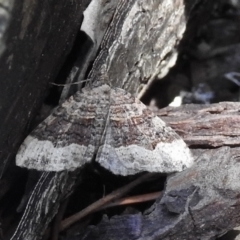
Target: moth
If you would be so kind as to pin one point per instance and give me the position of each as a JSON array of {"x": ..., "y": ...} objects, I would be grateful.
[{"x": 109, "y": 126}]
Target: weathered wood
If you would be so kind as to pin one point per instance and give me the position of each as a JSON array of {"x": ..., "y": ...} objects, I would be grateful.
[
  {"x": 52, "y": 184},
  {"x": 207, "y": 126},
  {"x": 134, "y": 50},
  {"x": 126, "y": 59},
  {"x": 143, "y": 39},
  {"x": 97, "y": 18},
  {"x": 36, "y": 39},
  {"x": 201, "y": 202}
]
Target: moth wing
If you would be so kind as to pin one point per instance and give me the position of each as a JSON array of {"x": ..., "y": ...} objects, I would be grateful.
[
  {"x": 137, "y": 140},
  {"x": 68, "y": 138}
]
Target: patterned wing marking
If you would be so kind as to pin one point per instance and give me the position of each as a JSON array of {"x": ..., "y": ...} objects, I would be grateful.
[
  {"x": 70, "y": 136},
  {"x": 137, "y": 140}
]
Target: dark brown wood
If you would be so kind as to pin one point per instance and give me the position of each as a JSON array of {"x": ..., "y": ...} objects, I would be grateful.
[{"x": 37, "y": 37}]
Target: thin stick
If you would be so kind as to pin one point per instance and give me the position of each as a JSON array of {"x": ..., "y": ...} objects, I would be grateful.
[
  {"x": 134, "y": 199},
  {"x": 103, "y": 201}
]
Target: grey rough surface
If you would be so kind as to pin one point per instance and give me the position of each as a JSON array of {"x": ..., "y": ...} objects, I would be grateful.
[
  {"x": 44, "y": 202},
  {"x": 128, "y": 55},
  {"x": 96, "y": 20},
  {"x": 97, "y": 17},
  {"x": 201, "y": 202}
]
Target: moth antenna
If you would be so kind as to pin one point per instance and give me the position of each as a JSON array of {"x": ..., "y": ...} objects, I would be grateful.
[{"x": 69, "y": 84}]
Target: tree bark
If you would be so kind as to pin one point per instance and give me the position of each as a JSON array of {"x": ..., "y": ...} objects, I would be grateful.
[{"x": 140, "y": 43}]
